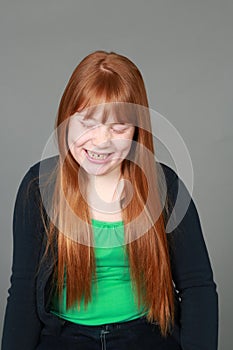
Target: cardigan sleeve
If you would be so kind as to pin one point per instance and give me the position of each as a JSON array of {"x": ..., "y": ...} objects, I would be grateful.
[
  {"x": 21, "y": 324},
  {"x": 192, "y": 276}
]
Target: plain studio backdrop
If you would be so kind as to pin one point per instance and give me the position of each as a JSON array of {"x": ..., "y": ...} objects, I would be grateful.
[{"x": 185, "y": 53}]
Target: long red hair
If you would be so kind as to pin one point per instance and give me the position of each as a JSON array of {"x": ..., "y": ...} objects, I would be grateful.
[{"x": 110, "y": 77}]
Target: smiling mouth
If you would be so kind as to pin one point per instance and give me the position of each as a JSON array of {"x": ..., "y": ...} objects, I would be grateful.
[{"x": 98, "y": 156}]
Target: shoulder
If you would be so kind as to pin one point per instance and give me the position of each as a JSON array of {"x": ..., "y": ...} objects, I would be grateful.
[
  {"x": 179, "y": 198},
  {"x": 45, "y": 166},
  {"x": 37, "y": 174},
  {"x": 166, "y": 173},
  {"x": 174, "y": 184},
  {"x": 40, "y": 169}
]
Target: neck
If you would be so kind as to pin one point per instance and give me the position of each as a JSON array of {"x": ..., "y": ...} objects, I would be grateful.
[
  {"x": 105, "y": 186},
  {"x": 104, "y": 194}
]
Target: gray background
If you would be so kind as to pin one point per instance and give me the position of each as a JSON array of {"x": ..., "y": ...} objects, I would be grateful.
[{"x": 185, "y": 53}]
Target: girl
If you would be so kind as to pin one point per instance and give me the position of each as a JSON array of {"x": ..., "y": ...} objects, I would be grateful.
[{"x": 93, "y": 266}]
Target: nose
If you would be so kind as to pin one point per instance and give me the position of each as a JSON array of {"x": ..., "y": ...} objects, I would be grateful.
[{"x": 101, "y": 136}]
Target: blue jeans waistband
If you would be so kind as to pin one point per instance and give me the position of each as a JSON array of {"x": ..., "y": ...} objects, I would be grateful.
[{"x": 109, "y": 326}]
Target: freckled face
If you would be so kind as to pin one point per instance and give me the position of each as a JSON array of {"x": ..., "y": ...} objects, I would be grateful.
[{"x": 99, "y": 148}]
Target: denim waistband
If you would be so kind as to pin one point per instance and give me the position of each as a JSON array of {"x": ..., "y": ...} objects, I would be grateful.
[{"x": 109, "y": 326}]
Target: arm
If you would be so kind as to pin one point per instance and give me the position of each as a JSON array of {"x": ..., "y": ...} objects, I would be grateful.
[
  {"x": 22, "y": 325},
  {"x": 193, "y": 278}
]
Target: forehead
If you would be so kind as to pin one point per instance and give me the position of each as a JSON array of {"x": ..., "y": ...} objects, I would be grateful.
[{"x": 110, "y": 113}]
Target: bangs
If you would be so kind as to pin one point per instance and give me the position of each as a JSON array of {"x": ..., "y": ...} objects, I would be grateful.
[
  {"x": 112, "y": 112},
  {"x": 109, "y": 96},
  {"x": 105, "y": 88}
]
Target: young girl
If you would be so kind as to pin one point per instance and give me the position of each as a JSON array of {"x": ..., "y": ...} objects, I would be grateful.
[{"x": 93, "y": 265}]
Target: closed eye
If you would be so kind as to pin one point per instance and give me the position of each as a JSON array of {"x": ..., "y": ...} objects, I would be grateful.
[
  {"x": 120, "y": 128},
  {"x": 87, "y": 124}
]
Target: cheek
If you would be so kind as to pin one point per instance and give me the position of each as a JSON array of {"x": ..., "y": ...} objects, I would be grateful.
[
  {"x": 124, "y": 145},
  {"x": 77, "y": 137},
  {"x": 72, "y": 133}
]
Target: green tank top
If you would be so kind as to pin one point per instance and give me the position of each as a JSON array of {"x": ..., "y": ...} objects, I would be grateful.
[{"x": 113, "y": 298}]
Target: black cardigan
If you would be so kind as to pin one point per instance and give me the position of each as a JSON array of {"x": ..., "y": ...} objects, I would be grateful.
[{"x": 27, "y": 309}]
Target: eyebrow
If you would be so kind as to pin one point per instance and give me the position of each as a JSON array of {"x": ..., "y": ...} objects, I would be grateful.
[
  {"x": 117, "y": 119},
  {"x": 84, "y": 118}
]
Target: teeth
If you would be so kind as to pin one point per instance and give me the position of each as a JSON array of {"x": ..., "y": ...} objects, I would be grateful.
[{"x": 97, "y": 155}]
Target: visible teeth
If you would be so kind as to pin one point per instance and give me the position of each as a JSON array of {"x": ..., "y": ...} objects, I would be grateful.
[{"x": 97, "y": 155}]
